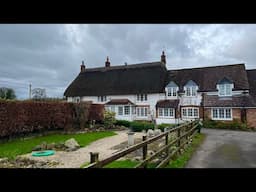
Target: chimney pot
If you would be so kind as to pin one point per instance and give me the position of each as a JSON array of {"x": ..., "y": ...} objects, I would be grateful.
[
  {"x": 163, "y": 58},
  {"x": 107, "y": 63},
  {"x": 82, "y": 67}
]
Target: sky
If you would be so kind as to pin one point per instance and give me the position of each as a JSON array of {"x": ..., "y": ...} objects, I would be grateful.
[{"x": 49, "y": 55}]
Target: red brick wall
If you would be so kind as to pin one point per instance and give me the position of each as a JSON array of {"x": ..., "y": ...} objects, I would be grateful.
[
  {"x": 251, "y": 118},
  {"x": 207, "y": 113},
  {"x": 236, "y": 113}
]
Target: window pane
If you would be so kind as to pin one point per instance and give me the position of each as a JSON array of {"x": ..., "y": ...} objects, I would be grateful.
[
  {"x": 228, "y": 113},
  {"x": 146, "y": 97},
  {"x": 228, "y": 89},
  {"x": 169, "y": 92},
  {"x": 188, "y": 91},
  {"x": 138, "y": 97},
  {"x": 221, "y": 113},
  {"x": 222, "y": 90},
  {"x": 174, "y": 91},
  {"x": 138, "y": 111},
  {"x": 120, "y": 110},
  {"x": 171, "y": 112},
  {"x": 193, "y": 91},
  {"x": 215, "y": 113},
  {"x": 190, "y": 112},
  {"x": 127, "y": 110},
  {"x": 146, "y": 111},
  {"x": 165, "y": 112},
  {"x": 113, "y": 108},
  {"x": 195, "y": 112},
  {"x": 160, "y": 112},
  {"x": 184, "y": 112}
]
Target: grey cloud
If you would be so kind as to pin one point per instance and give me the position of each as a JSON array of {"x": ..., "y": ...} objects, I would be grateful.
[{"x": 49, "y": 56}]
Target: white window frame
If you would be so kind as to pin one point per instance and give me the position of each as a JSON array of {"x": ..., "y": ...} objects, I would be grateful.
[
  {"x": 76, "y": 99},
  {"x": 127, "y": 107},
  {"x": 172, "y": 91},
  {"x": 142, "y": 97},
  {"x": 118, "y": 111},
  {"x": 142, "y": 110},
  {"x": 192, "y": 90},
  {"x": 225, "y": 89},
  {"x": 161, "y": 112},
  {"x": 186, "y": 111},
  {"x": 225, "y": 114}
]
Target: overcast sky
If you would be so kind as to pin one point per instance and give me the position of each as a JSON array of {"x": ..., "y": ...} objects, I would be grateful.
[{"x": 49, "y": 56}]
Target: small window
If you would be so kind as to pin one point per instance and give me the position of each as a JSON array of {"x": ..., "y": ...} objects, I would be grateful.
[
  {"x": 142, "y": 97},
  {"x": 172, "y": 91},
  {"x": 160, "y": 112},
  {"x": 221, "y": 114},
  {"x": 102, "y": 98},
  {"x": 225, "y": 90}
]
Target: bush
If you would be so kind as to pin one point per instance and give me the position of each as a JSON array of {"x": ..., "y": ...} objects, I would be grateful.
[
  {"x": 233, "y": 125},
  {"x": 109, "y": 119},
  {"x": 164, "y": 125},
  {"x": 123, "y": 123},
  {"x": 139, "y": 126}
]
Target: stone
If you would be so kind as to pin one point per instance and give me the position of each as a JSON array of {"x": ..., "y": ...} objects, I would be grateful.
[
  {"x": 137, "y": 158},
  {"x": 150, "y": 152},
  {"x": 150, "y": 133},
  {"x": 3, "y": 160},
  {"x": 157, "y": 132},
  {"x": 37, "y": 148},
  {"x": 50, "y": 146},
  {"x": 71, "y": 144}
]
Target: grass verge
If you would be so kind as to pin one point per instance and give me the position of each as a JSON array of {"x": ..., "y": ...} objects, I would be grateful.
[
  {"x": 20, "y": 146},
  {"x": 181, "y": 160}
]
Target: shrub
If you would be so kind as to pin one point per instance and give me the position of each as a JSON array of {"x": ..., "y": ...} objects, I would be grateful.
[
  {"x": 109, "y": 119},
  {"x": 139, "y": 126},
  {"x": 164, "y": 125},
  {"x": 233, "y": 125},
  {"x": 123, "y": 123}
]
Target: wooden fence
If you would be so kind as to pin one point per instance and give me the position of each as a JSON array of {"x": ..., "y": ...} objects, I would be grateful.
[{"x": 184, "y": 132}]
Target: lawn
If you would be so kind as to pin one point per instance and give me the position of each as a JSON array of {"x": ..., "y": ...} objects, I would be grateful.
[
  {"x": 181, "y": 161},
  {"x": 20, "y": 146}
]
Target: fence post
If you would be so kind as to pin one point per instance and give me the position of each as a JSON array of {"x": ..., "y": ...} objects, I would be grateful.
[
  {"x": 144, "y": 149},
  {"x": 94, "y": 157},
  {"x": 166, "y": 143}
]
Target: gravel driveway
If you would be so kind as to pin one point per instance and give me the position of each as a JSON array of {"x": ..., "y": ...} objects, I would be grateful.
[
  {"x": 76, "y": 158},
  {"x": 225, "y": 149}
]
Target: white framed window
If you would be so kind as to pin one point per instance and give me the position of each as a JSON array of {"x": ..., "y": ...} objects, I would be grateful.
[
  {"x": 190, "y": 112},
  {"x": 172, "y": 91},
  {"x": 191, "y": 91},
  {"x": 120, "y": 110},
  {"x": 165, "y": 112},
  {"x": 102, "y": 98},
  {"x": 142, "y": 111},
  {"x": 222, "y": 114},
  {"x": 127, "y": 110},
  {"x": 142, "y": 97},
  {"x": 225, "y": 89},
  {"x": 112, "y": 108}
]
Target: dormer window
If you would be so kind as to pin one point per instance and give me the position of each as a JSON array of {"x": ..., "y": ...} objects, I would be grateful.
[
  {"x": 102, "y": 98},
  {"x": 225, "y": 87},
  {"x": 191, "y": 88},
  {"x": 142, "y": 97},
  {"x": 172, "y": 89}
]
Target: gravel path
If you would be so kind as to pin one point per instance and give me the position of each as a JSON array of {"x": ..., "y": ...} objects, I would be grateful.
[
  {"x": 225, "y": 149},
  {"x": 76, "y": 158}
]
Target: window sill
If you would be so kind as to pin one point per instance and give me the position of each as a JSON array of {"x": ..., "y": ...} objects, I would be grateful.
[{"x": 222, "y": 119}]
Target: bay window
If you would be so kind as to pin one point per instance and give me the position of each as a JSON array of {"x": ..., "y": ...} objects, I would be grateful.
[{"x": 165, "y": 112}]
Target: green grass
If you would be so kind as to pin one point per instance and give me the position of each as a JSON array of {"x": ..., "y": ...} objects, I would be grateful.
[
  {"x": 19, "y": 146},
  {"x": 122, "y": 164},
  {"x": 182, "y": 160}
]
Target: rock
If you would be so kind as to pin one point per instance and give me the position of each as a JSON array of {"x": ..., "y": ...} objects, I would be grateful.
[
  {"x": 3, "y": 160},
  {"x": 71, "y": 144},
  {"x": 157, "y": 131},
  {"x": 150, "y": 133},
  {"x": 150, "y": 152},
  {"x": 43, "y": 145}
]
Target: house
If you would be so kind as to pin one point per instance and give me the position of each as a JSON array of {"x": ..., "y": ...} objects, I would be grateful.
[{"x": 149, "y": 91}]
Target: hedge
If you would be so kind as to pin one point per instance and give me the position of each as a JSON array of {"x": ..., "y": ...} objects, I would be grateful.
[
  {"x": 139, "y": 126},
  {"x": 164, "y": 125},
  {"x": 233, "y": 125},
  {"x": 21, "y": 117},
  {"x": 123, "y": 123}
]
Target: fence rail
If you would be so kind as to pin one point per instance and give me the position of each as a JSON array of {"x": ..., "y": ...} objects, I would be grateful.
[{"x": 184, "y": 134}]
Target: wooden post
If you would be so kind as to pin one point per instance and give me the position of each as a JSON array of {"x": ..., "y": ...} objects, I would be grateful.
[
  {"x": 144, "y": 149},
  {"x": 94, "y": 157},
  {"x": 166, "y": 143}
]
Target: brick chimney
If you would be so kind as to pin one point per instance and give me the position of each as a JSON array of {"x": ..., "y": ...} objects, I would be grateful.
[
  {"x": 107, "y": 63},
  {"x": 82, "y": 67},
  {"x": 163, "y": 58}
]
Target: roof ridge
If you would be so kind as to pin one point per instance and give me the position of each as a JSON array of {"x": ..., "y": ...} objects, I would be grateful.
[{"x": 228, "y": 65}]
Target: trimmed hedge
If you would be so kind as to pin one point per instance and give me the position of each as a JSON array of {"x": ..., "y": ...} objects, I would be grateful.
[
  {"x": 233, "y": 125},
  {"x": 22, "y": 117},
  {"x": 137, "y": 126},
  {"x": 123, "y": 123}
]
